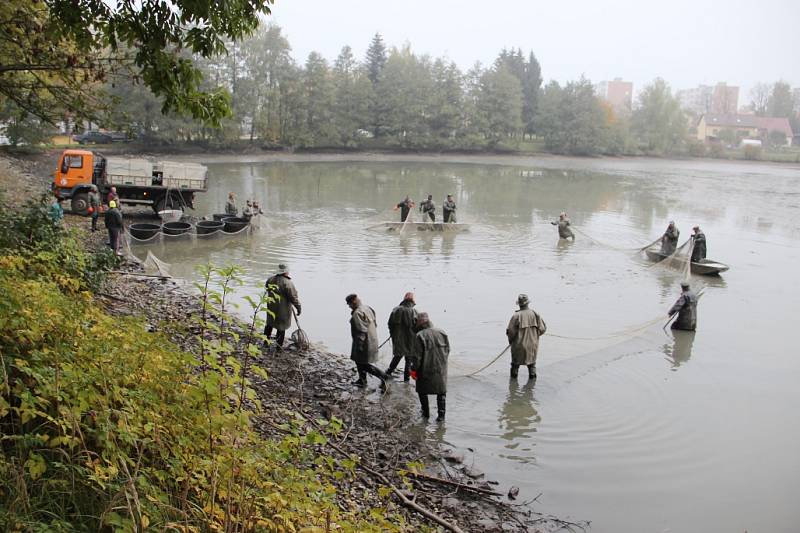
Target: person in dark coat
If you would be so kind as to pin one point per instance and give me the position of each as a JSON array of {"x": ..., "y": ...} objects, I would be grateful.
[
  {"x": 114, "y": 225},
  {"x": 669, "y": 241},
  {"x": 94, "y": 205},
  {"x": 449, "y": 210},
  {"x": 429, "y": 363},
  {"x": 405, "y": 208},
  {"x": 686, "y": 307},
  {"x": 699, "y": 248},
  {"x": 283, "y": 296},
  {"x": 523, "y": 333},
  {"x": 428, "y": 207},
  {"x": 402, "y": 324},
  {"x": 563, "y": 227},
  {"x": 364, "y": 350}
]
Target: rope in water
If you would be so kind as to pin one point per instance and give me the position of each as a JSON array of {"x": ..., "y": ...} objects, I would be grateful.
[{"x": 612, "y": 246}]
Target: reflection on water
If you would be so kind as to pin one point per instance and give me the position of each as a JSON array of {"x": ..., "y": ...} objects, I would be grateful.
[
  {"x": 608, "y": 425},
  {"x": 518, "y": 418},
  {"x": 681, "y": 349}
]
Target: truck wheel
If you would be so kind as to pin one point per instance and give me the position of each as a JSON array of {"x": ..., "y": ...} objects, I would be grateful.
[{"x": 80, "y": 204}]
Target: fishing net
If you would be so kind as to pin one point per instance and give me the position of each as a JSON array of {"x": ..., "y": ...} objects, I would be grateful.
[
  {"x": 680, "y": 259},
  {"x": 298, "y": 336},
  {"x": 153, "y": 265},
  {"x": 126, "y": 249}
]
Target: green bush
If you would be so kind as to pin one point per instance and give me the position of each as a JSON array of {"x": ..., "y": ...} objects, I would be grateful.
[{"x": 107, "y": 427}]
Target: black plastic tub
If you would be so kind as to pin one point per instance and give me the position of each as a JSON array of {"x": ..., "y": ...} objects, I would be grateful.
[
  {"x": 144, "y": 231},
  {"x": 204, "y": 227},
  {"x": 176, "y": 228},
  {"x": 234, "y": 224},
  {"x": 220, "y": 216}
]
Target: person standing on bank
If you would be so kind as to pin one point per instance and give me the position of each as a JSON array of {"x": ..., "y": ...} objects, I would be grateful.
[
  {"x": 428, "y": 207},
  {"x": 449, "y": 210},
  {"x": 405, "y": 208},
  {"x": 114, "y": 225},
  {"x": 402, "y": 323},
  {"x": 94, "y": 205},
  {"x": 699, "y": 248},
  {"x": 686, "y": 307},
  {"x": 429, "y": 362},
  {"x": 364, "y": 350},
  {"x": 230, "y": 205},
  {"x": 523, "y": 332},
  {"x": 563, "y": 227},
  {"x": 283, "y": 296}
]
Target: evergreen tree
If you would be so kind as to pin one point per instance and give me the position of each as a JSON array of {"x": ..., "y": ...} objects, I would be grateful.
[
  {"x": 319, "y": 97},
  {"x": 781, "y": 103},
  {"x": 500, "y": 103},
  {"x": 376, "y": 58},
  {"x": 531, "y": 87},
  {"x": 352, "y": 93}
]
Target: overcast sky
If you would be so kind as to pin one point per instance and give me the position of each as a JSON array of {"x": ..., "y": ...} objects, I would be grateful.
[{"x": 686, "y": 42}]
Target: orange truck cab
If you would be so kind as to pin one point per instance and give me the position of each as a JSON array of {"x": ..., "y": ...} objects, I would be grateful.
[{"x": 138, "y": 181}]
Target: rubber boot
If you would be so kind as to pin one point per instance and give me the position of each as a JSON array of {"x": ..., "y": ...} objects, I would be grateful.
[
  {"x": 424, "y": 406},
  {"x": 407, "y": 372},
  {"x": 393, "y": 364},
  {"x": 441, "y": 404},
  {"x": 531, "y": 371},
  {"x": 514, "y": 371},
  {"x": 362, "y": 379}
]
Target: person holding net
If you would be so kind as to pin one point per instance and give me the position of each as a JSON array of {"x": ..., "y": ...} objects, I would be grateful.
[
  {"x": 523, "y": 333},
  {"x": 699, "y": 249},
  {"x": 405, "y": 208},
  {"x": 686, "y": 309},
  {"x": 283, "y": 296},
  {"x": 563, "y": 227},
  {"x": 669, "y": 241}
]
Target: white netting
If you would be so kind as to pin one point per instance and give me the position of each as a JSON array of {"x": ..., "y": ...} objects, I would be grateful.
[{"x": 153, "y": 265}]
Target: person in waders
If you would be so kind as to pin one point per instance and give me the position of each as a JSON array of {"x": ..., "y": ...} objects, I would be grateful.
[
  {"x": 94, "y": 205},
  {"x": 402, "y": 324},
  {"x": 523, "y": 332},
  {"x": 364, "y": 350},
  {"x": 563, "y": 227},
  {"x": 449, "y": 210},
  {"x": 686, "y": 308},
  {"x": 428, "y": 207},
  {"x": 405, "y": 208},
  {"x": 669, "y": 241},
  {"x": 699, "y": 248},
  {"x": 429, "y": 365},
  {"x": 283, "y": 295}
]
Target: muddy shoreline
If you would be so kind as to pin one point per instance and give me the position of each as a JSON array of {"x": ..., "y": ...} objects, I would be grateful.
[{"x": 385, "y": 431}]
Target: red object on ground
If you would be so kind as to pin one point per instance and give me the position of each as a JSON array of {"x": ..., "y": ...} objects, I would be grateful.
[
  {"x": 91, "y": 210},
  {"x": 413, "y": 375}
]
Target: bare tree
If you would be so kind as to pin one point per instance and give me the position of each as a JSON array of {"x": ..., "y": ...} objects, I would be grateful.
[{"x": 759, "y": 98}]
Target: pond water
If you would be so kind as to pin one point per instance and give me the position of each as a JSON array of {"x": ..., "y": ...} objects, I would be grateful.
[{"x": 645, "y": 431}]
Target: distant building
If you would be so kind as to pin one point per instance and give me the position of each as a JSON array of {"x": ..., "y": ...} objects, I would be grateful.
[
  {"x": 618, "y": 93},
  {"x": 697, "y": 100},
  {"x": 721, "y": 99},
  {"x": 713, "y": 127},
  {"x": 725, "y": 99}
]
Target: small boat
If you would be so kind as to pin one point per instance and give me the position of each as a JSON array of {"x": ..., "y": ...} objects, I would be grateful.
[
  {"x": 410, "y": 227},
  {"x": 704, "y": 267}
]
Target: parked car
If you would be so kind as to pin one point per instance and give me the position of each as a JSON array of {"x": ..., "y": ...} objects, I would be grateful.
[
  {"x": 122, "y": 136},
  {"x": 93, "y": 137}
]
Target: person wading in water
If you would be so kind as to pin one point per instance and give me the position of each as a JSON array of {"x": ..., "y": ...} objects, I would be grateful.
[
  {"x": 686, "y": 307},
  {"x": 364, "y": 350},
  {"x": 429, "y": 364},
  {"x": 402, "y": 323},
  {"x": 523, "y": 333}
]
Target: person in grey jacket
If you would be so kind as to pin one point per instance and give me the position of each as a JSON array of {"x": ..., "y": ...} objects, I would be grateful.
[
  {"x": 428, "y": 207},
  {"x": 449, "y": 210},
  {"x": 429, "y": 364},
  {"x": 402, "y": 324},
  {"x": 686, "y": 307},
  {"x": 563, "y": 227},
  {"x": 364, "y": 350},
  {"x": 94, "y": 205},
  {"x": 669, "y": 241}
]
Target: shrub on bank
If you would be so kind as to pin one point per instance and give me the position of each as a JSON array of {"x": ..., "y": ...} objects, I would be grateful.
[{"x": 106, "y": 426}]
